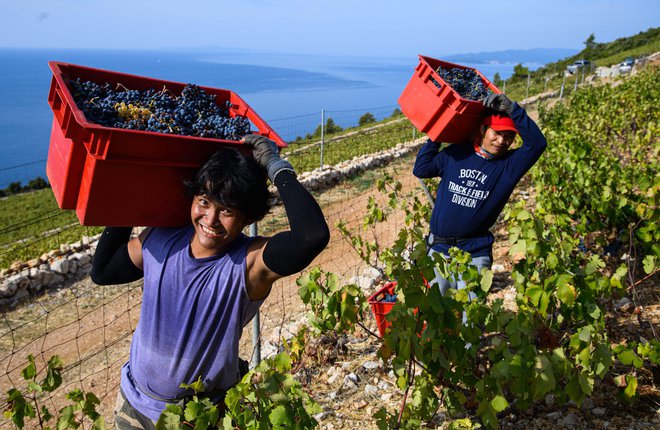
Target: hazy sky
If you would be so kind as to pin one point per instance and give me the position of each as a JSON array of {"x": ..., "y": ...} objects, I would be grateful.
[{"x": 352, "y": 27}]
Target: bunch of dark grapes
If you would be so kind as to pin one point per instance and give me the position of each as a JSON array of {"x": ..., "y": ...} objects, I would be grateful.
[
  {"x": 466, "y": 82},
  {"x": 193, "y": 113},
  {"x": 389, "y": 298},
  {"x": 581, "y": 246}
]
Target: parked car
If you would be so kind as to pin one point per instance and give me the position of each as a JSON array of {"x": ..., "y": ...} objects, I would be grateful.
[
  {"x": 572, "y": 68},
  {"x": 627, "y": 65}
]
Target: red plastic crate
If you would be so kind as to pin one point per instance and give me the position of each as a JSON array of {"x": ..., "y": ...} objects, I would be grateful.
[
  {"x": 381, "y": 308},
  {"x": 118, "y": 177},
  {"x": 441, "y": 113}
]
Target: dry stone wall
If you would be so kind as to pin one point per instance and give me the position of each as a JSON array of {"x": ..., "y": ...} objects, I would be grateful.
[{"x": 50, "y": 270}]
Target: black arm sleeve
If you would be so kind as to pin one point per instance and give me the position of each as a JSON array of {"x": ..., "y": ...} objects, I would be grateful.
[
  {"x": 112, "y": 264},
  {"x": 291, "y": 251}
]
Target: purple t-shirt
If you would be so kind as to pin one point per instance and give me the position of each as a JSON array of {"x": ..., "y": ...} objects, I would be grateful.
[{"x": 193, "y": 314}]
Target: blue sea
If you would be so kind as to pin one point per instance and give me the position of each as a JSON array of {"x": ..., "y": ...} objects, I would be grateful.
[{"x": 288, "y": 91}]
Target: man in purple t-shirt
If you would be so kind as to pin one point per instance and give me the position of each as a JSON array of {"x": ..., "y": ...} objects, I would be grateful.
[
  {"x": 203, "y": 282},
  {"x": 477, "y": 180}
]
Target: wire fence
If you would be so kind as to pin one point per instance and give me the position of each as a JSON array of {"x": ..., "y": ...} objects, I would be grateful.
[{"x": 90, "y": 326}]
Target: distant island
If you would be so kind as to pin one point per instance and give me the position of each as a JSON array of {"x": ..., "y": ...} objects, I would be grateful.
[{"x": 538, "y": 56}]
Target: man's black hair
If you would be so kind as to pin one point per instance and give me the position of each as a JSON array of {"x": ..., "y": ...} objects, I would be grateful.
[{"x": 234, "y": 180}]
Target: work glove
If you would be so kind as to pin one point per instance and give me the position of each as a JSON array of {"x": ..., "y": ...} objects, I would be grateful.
[
  {"x": 266, "y": 153},
  {"x": 499, "y": 103}
]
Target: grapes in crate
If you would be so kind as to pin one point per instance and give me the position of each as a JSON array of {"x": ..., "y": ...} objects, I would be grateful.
[
  {"x": 389, "y": 298},
  {"x": 193, "y": 113},
  {"x": 466, "y": 82}
]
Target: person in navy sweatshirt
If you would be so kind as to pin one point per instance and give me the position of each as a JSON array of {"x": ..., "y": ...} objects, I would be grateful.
[{"x": 477, "y": 179}]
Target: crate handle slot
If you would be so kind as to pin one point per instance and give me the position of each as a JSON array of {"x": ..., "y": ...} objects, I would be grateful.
[
  {"x": 59, "y": 107},
  {"x": 433, "y": 84}
]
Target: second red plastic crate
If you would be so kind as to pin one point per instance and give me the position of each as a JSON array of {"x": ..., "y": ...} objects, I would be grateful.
[
  {"x": 441, "y": 112},
  {"x": 380, "y": 308}
]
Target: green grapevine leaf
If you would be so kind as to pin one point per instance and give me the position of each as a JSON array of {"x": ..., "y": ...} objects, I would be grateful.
[
  {"x": 565, "y": 291},
  {"x": 280, "y": 418},
  {"x": 519, "y": 249},
  {"x": 602, "y": 359},
  {"x": 534, "y": 293},
  {"x": 193, "y": 410},
  {"x": 34, "y": 387},
  {"x": 98, "y": 424},
  {"x": 282, "y": 362},
  {"x": 545, "y": 382},
  {"x": 585, "y": 334},
  {"x": 628, "y": 358},
  {"x": 45, "y": 413},
  {"x": 486, "y": 280},
  {"x": 67, "y": 418},
  {"x": 499, "y": 403},
  {"x": 30, "y": 371},
  {"x": 649, "y": 264},
  {"x": 56, "y": 363},
  {"x": 574, "y": 391},
  {"x": 586, "y": 383},
  {"x": 631, "y": 388},
  {"x": 197, "y": 386},
  {"x": 168, "y": 420},
  {"x": 551, "y": 261},
  {"x": 595, "y": 263}
]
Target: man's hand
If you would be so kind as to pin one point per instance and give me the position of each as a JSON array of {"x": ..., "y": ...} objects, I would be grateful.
[
  {"x": 264, "y": 150},
  {"x": 499, "y": 103},
  {"x": 266, "y": 153}
]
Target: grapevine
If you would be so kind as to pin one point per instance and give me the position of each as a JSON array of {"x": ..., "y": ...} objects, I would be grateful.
[
  {"x": 27, "y": 407},
  {"x": 597, "y": 190},
  {"x": 193, "y": 113}
]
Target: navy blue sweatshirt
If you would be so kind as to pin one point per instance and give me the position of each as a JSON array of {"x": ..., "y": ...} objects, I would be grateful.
[{"x": 474, "y": 190}]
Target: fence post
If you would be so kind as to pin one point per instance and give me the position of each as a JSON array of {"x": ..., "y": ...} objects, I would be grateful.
[
  {"x": 561, "y": 91},
  {"x": 426, "y": 191},
  {"x": 527, "y": 90},
  {"x": 322, "y": 134},
  {"x": 577, "y": 78},
  {"x": 256, "y": 323}
]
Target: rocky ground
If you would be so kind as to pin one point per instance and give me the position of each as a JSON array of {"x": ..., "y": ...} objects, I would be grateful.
[
  {"x": 357, "y": 385},
  {"x": 351, "y": 383}
]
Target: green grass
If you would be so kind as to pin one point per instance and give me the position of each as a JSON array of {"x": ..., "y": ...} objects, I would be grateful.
[
  {"x": 32, "y": 224},
  {"x": 637, "y": 52}
]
